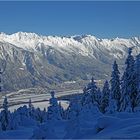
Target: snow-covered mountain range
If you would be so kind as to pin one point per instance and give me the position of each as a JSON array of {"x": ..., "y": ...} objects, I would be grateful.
[{"x": 36, "y": 60}]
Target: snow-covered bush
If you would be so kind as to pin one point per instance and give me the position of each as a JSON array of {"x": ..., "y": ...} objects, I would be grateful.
[
  {"x": 52, "y": 129},
  {"x": 105, "y": 122}
]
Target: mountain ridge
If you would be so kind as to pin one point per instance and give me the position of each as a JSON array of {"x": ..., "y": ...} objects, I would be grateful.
[
  {"x": 47, "y": 60},
  {"x": 66, "y": 36}
]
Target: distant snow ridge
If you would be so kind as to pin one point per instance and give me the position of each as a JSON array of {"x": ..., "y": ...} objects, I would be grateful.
[
  {"x": 63, "y": 58},
  {"x": 83, "y": 44}
]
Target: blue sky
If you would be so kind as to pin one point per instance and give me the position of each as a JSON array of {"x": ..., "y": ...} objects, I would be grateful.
[{"x": 102, "y": 19}]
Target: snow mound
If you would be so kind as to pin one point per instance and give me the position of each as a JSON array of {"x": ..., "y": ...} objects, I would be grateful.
[{"x": 118, "y": 128}]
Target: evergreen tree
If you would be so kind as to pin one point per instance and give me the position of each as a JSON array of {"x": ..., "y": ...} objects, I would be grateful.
[
  {"x": 53, "y": 110},
  {"x": 115, "y": 85},
  {"x": 62, "y": 111},
  {"x": 74, "y": 108},
  {"x": 98, "y": 99},
  {"x": 112, "y": 108},
  {"x": 14, "y": 121},
  {"x": 40, "y": 115},
  {"x": 0, "y": 125},
  {"x": 86, "y": 98},
  {"x": 137, "y": 76},
  {"x": 30, "y": 104},
  {"x": 130, "y": 78},
  {"x": 0, "y": 80},
  {"x": 93, "y": 90},
  {"x": 90, "y": 95},
  {"x": 22, "y": 113},
  {"x": 125, "y": 102},
  {"x": 105, "y": 97},
  {"x": 132, "y": 90},
  {"x": 5, "y": 116},
  {"x": 31, "y": 109}
]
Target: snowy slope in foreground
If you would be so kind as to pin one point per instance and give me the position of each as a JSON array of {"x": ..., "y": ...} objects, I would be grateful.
[{"x": 119, "y": 126}]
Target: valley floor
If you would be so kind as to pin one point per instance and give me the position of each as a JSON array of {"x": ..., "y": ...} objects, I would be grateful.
[{"x": 22, "y": 97}]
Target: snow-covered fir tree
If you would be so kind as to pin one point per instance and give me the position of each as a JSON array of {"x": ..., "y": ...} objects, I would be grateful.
[
  {"x": 33, "y": 112},
  {"x": 130, "y": 79},
  {"x": 0, "y": 80},
  {"x": 23, "y": 111},
  {"x": 92, "y": 88},
  {"x": 22, "y": 114},
  {"x": 137, "y": 70},
  {"x": 39, "y": 115},
  {"x": 105, "y": 97},
  {"x": 86, "y": 98},
  {"x": 115, "y": 85},
  {"x": 5, "y": 116},
  {"x": 30, "y": 104},
  {"x": 62, "y": 111},
  {"x": 125, "y": 102},
  {"x": 14, "y": 121},
  {"x": 36, "y": 114},
  {"x": 31, "y": 108},
  {"x": 53, "y": 112},
  {"x": 137, "y": 73},
  {"x": 98, "y": 97},
  {"x": 112, "y": 108},
  {"x": 74, "y": 108},
  {"x": 91, "y": 94}
]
